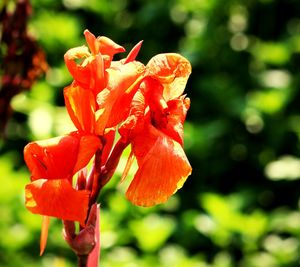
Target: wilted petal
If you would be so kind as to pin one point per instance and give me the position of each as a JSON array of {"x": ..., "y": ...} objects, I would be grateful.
[
  {"x": 172, "y": 71},
  {"x": 162, "y": 171},
  {"x": 57, "y": 198}
]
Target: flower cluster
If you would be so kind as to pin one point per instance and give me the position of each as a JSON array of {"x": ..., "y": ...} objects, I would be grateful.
[{"x": 144, "y": 103}]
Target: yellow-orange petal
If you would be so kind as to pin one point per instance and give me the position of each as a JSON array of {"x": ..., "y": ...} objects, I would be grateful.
[
  {"x": 161, "y": 173},
  {"x": 81, "y": 106},
  {"x": 44, "y": 233},
  {"x": 57, "y": 198},
  {"x": 172, "y": 70}
]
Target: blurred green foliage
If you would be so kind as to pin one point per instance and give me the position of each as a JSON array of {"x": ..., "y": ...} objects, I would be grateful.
[{"x": 240, "y": 207}]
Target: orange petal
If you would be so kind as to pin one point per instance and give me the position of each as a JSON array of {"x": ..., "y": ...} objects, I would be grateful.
[
  {"x": 91, "y": 41},
  {"x": 87, "y": 148},
  {"x": 44, "y": 233},
  {"x": 99, "y": 76},
  {"x": 172, "y": 71},
  {"x": 114, "y": 101},
  {"x": 133, "y": 53},
  {"x": 57, "y": 198},
  {"x": 52, "y": 158},
  {"x": 161, "y": 173},
  {"x": 81, "y": 107},
  {"x": 109, "y": 47}
]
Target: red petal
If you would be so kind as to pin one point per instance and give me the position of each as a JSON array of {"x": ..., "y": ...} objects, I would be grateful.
[
  {"x": 88, "y": 146},
  {"x": 60, "y": 157},
  {"x": 57, "y": 198},
  {"x": 109, "y": 137},
  {"x": 177, "y": 109},
  {"x": 134, "y": 123},
  {"x": 162, "y": 171},
  {"x": 52, "y": 158},
  {"x": 133, "y": 53},
  {"x": 81, "y": 106}
]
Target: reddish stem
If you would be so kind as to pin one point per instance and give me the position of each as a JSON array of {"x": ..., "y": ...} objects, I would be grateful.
[
  {"x": 103, "y": 174},
  {"x": 82, "y": 260},
  {"x": 109, "y": 169}
]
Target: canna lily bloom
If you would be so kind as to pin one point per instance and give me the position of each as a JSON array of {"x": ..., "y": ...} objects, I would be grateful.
[
  {"x": 155, "y": 130},
  {"x": 52, "y": 164},
  {"x": 101, "y": 93}
]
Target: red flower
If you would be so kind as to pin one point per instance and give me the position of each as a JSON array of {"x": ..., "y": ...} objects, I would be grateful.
[{"x": 146, "y": 103}]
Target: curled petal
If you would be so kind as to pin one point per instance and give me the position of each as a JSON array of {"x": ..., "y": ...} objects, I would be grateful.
[
  {"x": 172, "y": 71},
  {"x": 109, "y": 47},
  {"x": 177, "y": 109},
  {"x": 57, "y": 198},
  {"x": 162, "y": 171},
  {"x": 81, "y": 106},
  {"x": 79, "y": 72},
  {"x": 134, "y": 124}
]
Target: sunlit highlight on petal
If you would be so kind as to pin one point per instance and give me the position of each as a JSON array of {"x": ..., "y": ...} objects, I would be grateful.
[{"x": 161, "y": 173}]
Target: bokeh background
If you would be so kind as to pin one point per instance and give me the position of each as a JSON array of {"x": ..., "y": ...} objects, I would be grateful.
[{"x": 240, "y": 207}]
